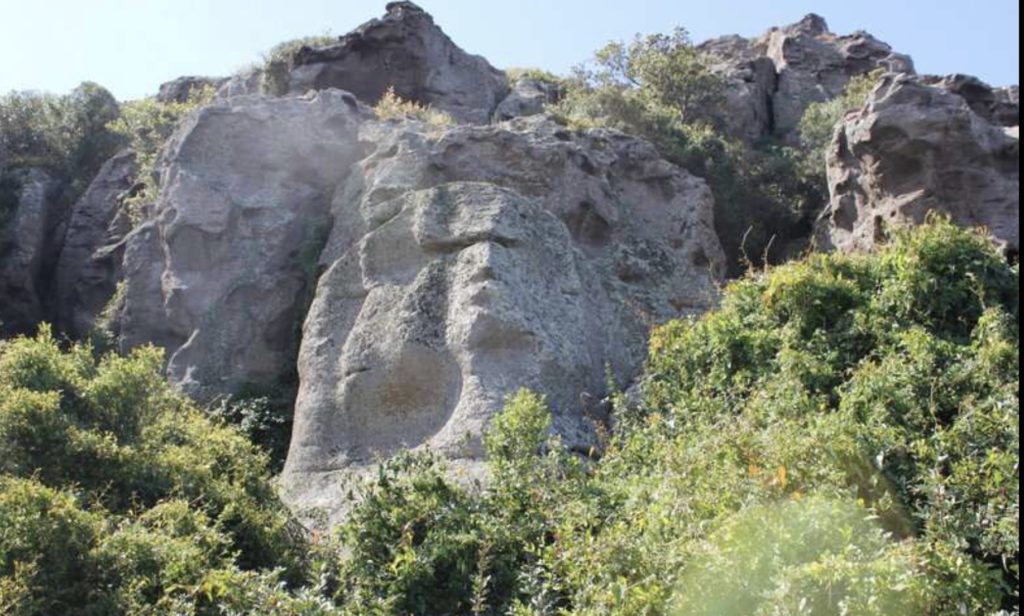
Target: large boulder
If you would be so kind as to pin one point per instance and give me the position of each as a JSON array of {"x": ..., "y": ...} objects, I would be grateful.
[
  {"x": 407, "y": 51},
  {"x": 529, "y": 97},
  {"x": 916, "y": 148},
  {"x": 750, "y": 84},
  {"x": 222, "y": 274},
  {"x": 31, "y": 219},
  {"x": 89, "y": 266},
  {"x": 467, "y": 263}
]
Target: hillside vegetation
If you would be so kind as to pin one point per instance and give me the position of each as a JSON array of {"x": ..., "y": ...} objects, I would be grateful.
[{"x": 840, "y": 437}]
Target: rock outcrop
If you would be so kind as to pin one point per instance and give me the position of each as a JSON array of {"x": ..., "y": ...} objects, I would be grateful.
[
  {"x": 466, "y": 264},
  {"x": 528, "y": 97},
  {"x": 917, "y": 148},
  {"x": 182, "y": 89},
  {"x": 407, "y": 51},
  {"x": 222, "y": 274},
  {"x": 32, "y": 216},
  {"x": 89, "y": 266},
  {"x": 771, "y": 80}
]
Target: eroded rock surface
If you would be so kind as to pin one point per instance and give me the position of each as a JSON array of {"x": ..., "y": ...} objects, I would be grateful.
[
  {"x": 917, "y": 148},
  {"x": 222, "y": 274},
  {"x": 89, "y": 266},
  {"x": 528, "y": 97},
  {"x": 772, "y": 79},
  {"x": 466, "y": 264},
  {"x": 28, "y": 242},
  {"x": 405, "y": 50}
]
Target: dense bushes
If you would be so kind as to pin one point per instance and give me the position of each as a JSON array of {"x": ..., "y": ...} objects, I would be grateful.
[
  {"x": 117, "y": 495},
  {"x": 65, "y": 135},
  {"x": 841, "y": 437}
]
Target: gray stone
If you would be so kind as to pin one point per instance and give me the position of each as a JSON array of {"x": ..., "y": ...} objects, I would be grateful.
[
  {"x": 406, "y": 51},
  {"x": 28, "y": 241},
  {"x": 814, "y": 65},
  {"x": 917, "y": 148},
  {"x": 465, "y": 264},
  {"x": 528, "y": 97},
  {"x": 89, "y": 266},
  {"x": 750, "y": 84},
  {"x": 222, "y": 274},
  {"x": 183, "y": 88}
]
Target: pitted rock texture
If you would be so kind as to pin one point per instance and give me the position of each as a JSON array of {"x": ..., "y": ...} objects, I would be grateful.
[
  {"x": 917, "y": 148},
  {"x": 750, "y": 84},
  {"x": 182, "y": 89},
  {"x": 772, "y": 79},
  {"x": 89, "y": 266},
  {"x": 528, "y": 97},
  {"x": 405, "y": 50},
  {"x": 222, "y": 274},
  {"x": 28, "y": 243},
  {"x": 468, "y": 263}
]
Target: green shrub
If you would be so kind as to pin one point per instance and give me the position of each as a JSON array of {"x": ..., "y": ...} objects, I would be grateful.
[
  {"x": 515, "y": 74},
  {"x": 146, "y": 125},
  {"x": 168, "y": 495},
  {"x": 65, "y": 135},
  {"x": 392, "y": 106},
  {"x": 832, "y": 440},
  {"x": 818, "y": 126},
  {"x": 277, "y": 63},
  {"x": 660, "y": 88}
]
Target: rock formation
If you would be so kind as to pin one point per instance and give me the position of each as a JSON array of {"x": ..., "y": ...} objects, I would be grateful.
[
  {"x": 406, "y": 51},
  {"x": 220, "y": 277},
  {"x": 917, "y": 148},
  {"x": 467, "y": 264},
  {"x": 28, "y": 242},
  {"x": 528, "y": 97},
  {"x": 89, "y": 266},
  {"x": 771, "y": 80}
]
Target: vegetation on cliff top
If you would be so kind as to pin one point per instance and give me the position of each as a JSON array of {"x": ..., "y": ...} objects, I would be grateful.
[{"x": 840, "y": 437}]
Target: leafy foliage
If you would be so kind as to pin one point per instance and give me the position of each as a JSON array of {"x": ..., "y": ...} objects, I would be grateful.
[
  {"x": 277, "y": 62},
  {"x": 660, "y": 88},
  {"x": 392, "y": 106},
  {"x": 819, "y": 123},
  {"x": 840, "y": 437},
  {"x": 117, "y": 495},
  {"x": 146, "y": 124},
  {"x": 66, "y": 135}
]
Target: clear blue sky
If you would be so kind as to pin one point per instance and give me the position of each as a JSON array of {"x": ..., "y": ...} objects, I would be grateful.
[{"x": 131, "y": 46}]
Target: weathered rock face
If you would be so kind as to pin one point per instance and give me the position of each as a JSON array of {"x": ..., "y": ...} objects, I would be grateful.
[
  {"x": 183, "y": 88},
  {"x": 89, "y": 266},
  {"x": 750, "y": 85},
  {"x": 28, "y": 241},
  {"x": 916, "y": 148},
  {"x": 467, "y": 264},
  {"x": 771, "y": 80},
  {"x": 1000, "y": 106},
  {"x": 815, "y": 65},
  {"x": 407, "y": 51},
  {"x": 528, "y": 97},
  {"x": 222, "y": 274}
]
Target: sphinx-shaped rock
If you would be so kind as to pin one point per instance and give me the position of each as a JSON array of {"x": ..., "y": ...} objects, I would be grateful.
[
  {"x": 222, "y": 274},
  {"x": 917, "y": 148},
  {"x": 407, "y": 51},
  {"x": 468, "y": 263}
]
